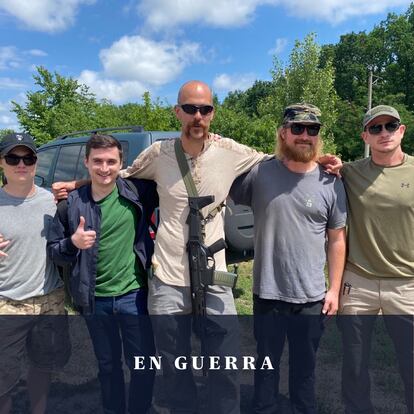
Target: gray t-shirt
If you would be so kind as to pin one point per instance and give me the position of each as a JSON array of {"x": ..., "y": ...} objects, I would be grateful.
[
  {"x": 292, "y": 212},
  {"x": 26, "y": 272}
]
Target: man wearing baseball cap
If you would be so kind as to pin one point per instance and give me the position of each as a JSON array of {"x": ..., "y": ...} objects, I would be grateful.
[
  {"x": 29, "y": 283},
  {"x": 379, "y": 274},
  {"x": 295, "y": 203}
]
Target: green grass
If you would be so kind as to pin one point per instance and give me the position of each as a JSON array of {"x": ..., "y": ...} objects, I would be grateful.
[{"x": 243, "y": 290}]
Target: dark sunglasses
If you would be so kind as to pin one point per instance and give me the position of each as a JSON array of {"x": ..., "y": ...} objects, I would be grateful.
[
  {"x": 13, "y": 159},
  {"x": 192, "y": 109},
  {"x": 298, "y": 129},
  {"x": 389, "y": 126}
]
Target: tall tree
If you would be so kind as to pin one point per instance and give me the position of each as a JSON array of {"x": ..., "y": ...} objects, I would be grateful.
[
  {"x": 248, "y": 101},
  {"x": 304, "y": 80},
  {"x": 60, "y": 105}
]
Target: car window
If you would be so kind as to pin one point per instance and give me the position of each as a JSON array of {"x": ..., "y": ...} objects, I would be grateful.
[
  {"x": 82, "y": 171},
  {"x": 125, "y": 154},
  {"x": 45, "y": 162},
  {"x": 67, "y": 163}
]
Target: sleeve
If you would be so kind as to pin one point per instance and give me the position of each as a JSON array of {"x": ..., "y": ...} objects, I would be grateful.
[
  {"x": 145, "y": 165},
  {"x": 60, "y": 248},
  {"x": 241, "y": 190},
  {"x": 345, "y": 169},
  {"x": 338, "y": 213},
  {"x": 247, "y": 157}
]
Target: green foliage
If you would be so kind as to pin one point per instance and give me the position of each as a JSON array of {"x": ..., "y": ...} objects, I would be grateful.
[
  {"x": 304, "y": 80},
  {"x": 388, "y": 51},
  {"x": 60, "y": 105},
  {"x": 347, "y": 130},
  {"x": 256, "y": 132},
  {"x": 249, "y": 100},
  {"x": 3, "y": 132},
  {"x": 333, "y": 77}
]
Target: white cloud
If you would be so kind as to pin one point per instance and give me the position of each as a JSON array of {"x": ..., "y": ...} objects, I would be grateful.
[
  {"x": 115, "y": 91},
  {"x": 134, "y": 64},
  {"x": 226, "y": 83},
  {"x": 335, "y": 11},
  {"x": 8, "y": 119},
  {"x": 44, "y": 15},
  {"x": 164, "y": 14},
  {"x": 279, "y": 47},
  {"x": 36, "y": 52},
  {"x": 9, "y": 57},
  {"x": 9, "y": 83},
  {"x": 147, "y": 61}
]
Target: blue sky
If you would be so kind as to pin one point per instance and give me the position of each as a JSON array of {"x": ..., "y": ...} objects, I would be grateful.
[{"x": 121, "y": 49}]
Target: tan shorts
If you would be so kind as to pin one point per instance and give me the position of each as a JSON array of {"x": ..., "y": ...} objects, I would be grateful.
[
  {"x": 363, "y": 296},
  {"x": 36, "y": 327}
]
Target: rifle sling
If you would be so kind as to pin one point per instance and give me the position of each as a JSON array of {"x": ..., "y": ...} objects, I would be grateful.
[
  {"x": 188, "y": 179},
  {"x": 185, "y": 171},
  {"x": 220, "y": 277}
]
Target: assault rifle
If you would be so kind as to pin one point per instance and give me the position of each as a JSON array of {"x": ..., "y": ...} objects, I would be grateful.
[{"x": 202, "y": 264}]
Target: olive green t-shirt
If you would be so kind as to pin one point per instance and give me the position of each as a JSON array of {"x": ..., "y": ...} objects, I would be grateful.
[
  {"x": 118, "y": 269},
  {"x": 380, "y": 218}
]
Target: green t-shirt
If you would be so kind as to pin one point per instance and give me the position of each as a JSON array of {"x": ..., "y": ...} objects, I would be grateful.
[
  {"x": 118, "y": 269},
  {"x": 380, "y": 218}
]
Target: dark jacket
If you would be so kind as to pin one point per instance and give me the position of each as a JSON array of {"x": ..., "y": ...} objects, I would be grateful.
[{"x": 142, "y": 193}]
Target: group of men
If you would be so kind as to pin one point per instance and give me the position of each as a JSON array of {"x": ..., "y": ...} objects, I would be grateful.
[{"x": 297, "y": 207}]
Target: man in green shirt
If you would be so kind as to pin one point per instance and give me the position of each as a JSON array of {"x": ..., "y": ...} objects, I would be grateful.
[
  {"x": 379, "y": 274},
  {"x": 104, "y": 234}
]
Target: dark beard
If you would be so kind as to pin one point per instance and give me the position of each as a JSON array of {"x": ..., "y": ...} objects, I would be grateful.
[{"x": 299, "y": 155}]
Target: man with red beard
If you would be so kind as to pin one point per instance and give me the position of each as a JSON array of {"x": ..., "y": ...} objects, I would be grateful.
[{"x": 296, "y": 205}]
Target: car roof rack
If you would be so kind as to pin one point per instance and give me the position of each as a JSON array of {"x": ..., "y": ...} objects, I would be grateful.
[{"x": 132, "y": 128}]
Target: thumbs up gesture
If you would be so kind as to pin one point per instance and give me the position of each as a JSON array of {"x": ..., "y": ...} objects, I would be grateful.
[{"x": 83, "y": 239}]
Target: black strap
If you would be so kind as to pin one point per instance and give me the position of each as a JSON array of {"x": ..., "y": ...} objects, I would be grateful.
[
  {"x": 188, "y": 179},
  {"x": 185, "y": 171},
  {"x": 133, "y": 187}
]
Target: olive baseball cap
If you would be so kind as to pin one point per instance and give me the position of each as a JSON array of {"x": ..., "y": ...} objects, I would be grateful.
[
  {"x": 13, "y": 140},
  {"x": 303, "y": 113},
  {"x": 378, "y": 111}
]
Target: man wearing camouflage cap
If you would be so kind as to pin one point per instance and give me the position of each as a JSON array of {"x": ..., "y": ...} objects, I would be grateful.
[
  {"x": 379, "y": 274},
  {"x": 295, "y": 203}
]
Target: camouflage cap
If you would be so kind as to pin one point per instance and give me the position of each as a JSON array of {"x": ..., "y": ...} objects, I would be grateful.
[
  {"x": 302, "y": 112},
  {"x": 378, "y": 111}
]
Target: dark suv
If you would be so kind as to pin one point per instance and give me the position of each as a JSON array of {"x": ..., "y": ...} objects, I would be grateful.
[{"x": 62, "y": 160}]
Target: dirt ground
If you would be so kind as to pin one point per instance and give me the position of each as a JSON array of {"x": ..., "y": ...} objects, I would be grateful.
[{"x": 76, "y": 389}]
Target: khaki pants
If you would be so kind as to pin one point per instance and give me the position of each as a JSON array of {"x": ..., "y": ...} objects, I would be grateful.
[
  {"x": 361, "y": 300},
  {"x": 391, "y": 296}
]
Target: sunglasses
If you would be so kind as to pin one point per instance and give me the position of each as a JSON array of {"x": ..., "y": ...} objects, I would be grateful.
[
  {"x": 192, "y": 109},
  {"x": 389, "y": 126},
  {"x": 299, "y": 129},
  {"x": 13, "y": 159}
]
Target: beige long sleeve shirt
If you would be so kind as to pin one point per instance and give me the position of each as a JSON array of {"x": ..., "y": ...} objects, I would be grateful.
[{"x": 213, "y": 172}]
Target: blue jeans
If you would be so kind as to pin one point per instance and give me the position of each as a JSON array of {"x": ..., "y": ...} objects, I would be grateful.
[
  {"x": 302, "y": 325},
  {"x": 122, "y": 322}
]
